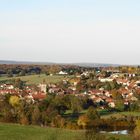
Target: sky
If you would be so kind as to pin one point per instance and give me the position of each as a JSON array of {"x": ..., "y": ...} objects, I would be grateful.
[{"x": 70, "y": 31}]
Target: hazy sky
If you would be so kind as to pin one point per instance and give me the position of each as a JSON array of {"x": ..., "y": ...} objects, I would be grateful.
[{"x": 102, "y": 31}]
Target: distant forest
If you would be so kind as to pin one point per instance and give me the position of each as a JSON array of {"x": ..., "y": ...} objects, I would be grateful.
[{"x": 22, "y": 70}]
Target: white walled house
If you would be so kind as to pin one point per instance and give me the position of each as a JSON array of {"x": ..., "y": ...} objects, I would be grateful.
[
  {"x": 105, "y": 79},
  {"x": 43, "y": 87}
]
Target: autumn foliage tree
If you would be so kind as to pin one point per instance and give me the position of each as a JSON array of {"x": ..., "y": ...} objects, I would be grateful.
[
  {"x": 14, "y": 101},
  {"x": 83, "y": 121}
]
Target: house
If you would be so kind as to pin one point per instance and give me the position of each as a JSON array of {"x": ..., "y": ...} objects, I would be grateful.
[
  {"x": 124, "y": 82},
  {"x": 98, "y": 100},
  {"x": 111, "y": 104},
  {"x": 42, "y": 87},
  {"x": 39, "y": 96},
  {"x": 105, "y": 79},
  {"x": 86, "y": 73},
  {"x": 62, "y": 73},
  {"x": 10, "y": 87}
]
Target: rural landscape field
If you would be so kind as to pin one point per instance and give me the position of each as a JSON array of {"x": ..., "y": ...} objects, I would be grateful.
[
  {"x": 36, "y": 79},
  {"x": 69, "y": 70},
  {"x": 69, "y": 102},
  {"x": 18, "y": 132}
]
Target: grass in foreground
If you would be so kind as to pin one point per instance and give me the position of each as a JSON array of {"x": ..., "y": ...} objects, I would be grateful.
[{"x": 18, "y": 132}]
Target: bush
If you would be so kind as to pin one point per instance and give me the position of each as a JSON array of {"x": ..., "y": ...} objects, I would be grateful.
[
  {"x": 24, "y": 120},
  {"x": 72, "y": 126},
  {"x": 136, "y": 135}
]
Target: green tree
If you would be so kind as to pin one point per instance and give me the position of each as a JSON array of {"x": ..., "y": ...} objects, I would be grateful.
[
  {"x": 18, "y": 83},
  {"x": 9, "y": 73},
  {"x": 76, "y": 104},
  {"x": 22, "y": 73},
  {"x": 92, "y": 113}
]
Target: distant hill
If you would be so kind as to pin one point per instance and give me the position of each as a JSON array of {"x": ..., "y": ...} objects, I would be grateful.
[
  {"x": 51, "y": 63},
  {"x": 24, "y": 62},
  {"x": 96, "y": 65}
]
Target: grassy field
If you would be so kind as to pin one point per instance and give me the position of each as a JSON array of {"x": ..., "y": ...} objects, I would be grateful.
[
  {"x": 18, "y": 132},
  {"x": 36, "y": 79},
  {"x": 121, "y": 114},
  {"x": 104, "y": 114}
]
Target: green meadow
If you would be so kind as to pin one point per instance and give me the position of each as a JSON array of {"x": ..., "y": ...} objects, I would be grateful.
[
  {"x": 20, "y": 132},
  {"x": 36, "y": 79}
]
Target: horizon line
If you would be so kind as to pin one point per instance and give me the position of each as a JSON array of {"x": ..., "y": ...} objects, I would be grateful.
[{"x": 100, "y": 63}]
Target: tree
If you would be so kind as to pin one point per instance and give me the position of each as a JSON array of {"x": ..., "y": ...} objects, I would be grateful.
[
  {"x": 14, "y": 101},
  {"x": 135, "y": 106},
  {"x": 58, "y": 121},
  {"x": 107, "y": 86},
  {"x": 18, "y": 83},
  {"x": 59, "y": 104},
  {"x": 36, "y": 115},
  {"x": 5, "y": 109},
  {"x": 24, "y": 112},
  {"x": 83, "y": 121},
  {"x": 46, "y": 73},
  {"x": 76, "y": 104},
  {"x": 22, "y": 73},
  {"x": 9, "y": 74},
  {"x": 119, "y": 105},
  {"x": 116, "y": 95},
  {"x": 136, "y": 134},
  {"x": 24, "y": 119},
  {"x": 92, "y": 113},
  {"x": 54, "y": 69}
]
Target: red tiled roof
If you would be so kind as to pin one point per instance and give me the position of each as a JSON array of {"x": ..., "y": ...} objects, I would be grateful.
[{"x": 39, "y": 96}]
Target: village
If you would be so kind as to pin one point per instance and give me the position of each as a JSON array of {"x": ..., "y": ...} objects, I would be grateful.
[{"x": 104, "y": 93}]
